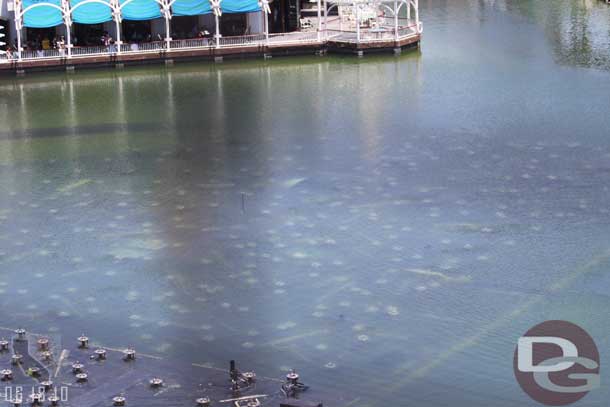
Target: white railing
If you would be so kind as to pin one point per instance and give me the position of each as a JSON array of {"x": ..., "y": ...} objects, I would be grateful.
[
  {"x": 91, "y": 50},
  {"x": 43, "y": 54},
  {"x": 381, "y": 34},
  {"x": 299, "y": 37},
  {"x": 409, "y": 30},
  {"x": 143, "y": 47},
  {"x": 295, "y": 37},
  {"x": 387, "y": 35},
  {"x": 192, "y": 43},
  {"x": 242, "y": 40},
  {"x": 338, "y": 35}
]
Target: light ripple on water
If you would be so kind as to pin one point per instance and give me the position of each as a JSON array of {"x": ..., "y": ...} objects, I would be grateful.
[{"x": 366, "y": 254}]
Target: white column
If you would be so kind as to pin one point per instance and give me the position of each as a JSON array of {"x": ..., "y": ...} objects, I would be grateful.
[
  {"x": 217, "y": 30},
  {"x": 65, "y": 5},
  {"x": 325, "y": 16},
  {"x": 266, "y": 26},
  {"x": 118, "y": 36},
  {"x": 19, "y": 43},
  {"x": 357, "y": 23},
  {"x": 69, "y": 39},
  {"x": 319, "y": 20},
  {"x": 18, "y": 26},
  {"x": 168, "y": 38},
  {"x": 409, "y": 12},
  {"x": 116, "y": 12},
  {"x": 417, "y": 14},
  {"x": 396, "y": 20}
]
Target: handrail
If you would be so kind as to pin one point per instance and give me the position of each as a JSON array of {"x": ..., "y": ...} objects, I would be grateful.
[{"x": 252, "y": 40}]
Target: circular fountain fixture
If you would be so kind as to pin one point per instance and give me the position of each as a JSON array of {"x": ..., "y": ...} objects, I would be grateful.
[
  {"x": 54, "y": 400},
  {"x": 203, "y": 402},
  {"x": 83, "y": 341},
  {"x": 46, "y": 355},
  {"x": 156, "y": 382},
  {"x": 77, "y": 367},
  {"x": 34, "y": 371},
  {"x": 292, "y": 386},
  {"x": 43, "y": 343},
  {"x": 7, "y": 374},
  {"x": 20, "y": 333},
  {"x": 46, "y": 385},
  {"x": 118, "y": 401},
  {"x": 82, "y": 377},
  {"x": 250, "y": 377},
  {"x": 3, "y": 345},
  {"x": 292, "y": 377},
  {"x": 130, "y": 354},
  {"x": 16, "y": 359},
  {"x": 36, "y": 399},
  {"x": 100, "y": 354}
]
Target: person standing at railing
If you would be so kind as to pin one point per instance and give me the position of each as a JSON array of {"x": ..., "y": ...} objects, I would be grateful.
[
  {"x": 111, "y": 46},
  {"x": 105, "y": 40},
  {"x": 8, "y": 53},
  {"x": 61, "y": 46},
  {"x": 109, "y": 43}
]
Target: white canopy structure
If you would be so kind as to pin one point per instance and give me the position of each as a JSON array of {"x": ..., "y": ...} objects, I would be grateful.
[
  {"x": 372, "y": 19},
  {"x": 366, "y": 23},
  {"x": 49, "y": 13}
]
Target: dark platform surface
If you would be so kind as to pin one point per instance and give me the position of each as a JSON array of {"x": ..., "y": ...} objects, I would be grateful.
[{"x": 116, "y": 376}]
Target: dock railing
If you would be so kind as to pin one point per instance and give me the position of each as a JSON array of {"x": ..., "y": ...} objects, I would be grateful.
[
  {"x": 383, "y": 33},
  {"x": 297, "y": 37},
  {"x": 191, "y": 43},
  {"x": 242, "y": 40},
  {"x": 310, "y": 37}
]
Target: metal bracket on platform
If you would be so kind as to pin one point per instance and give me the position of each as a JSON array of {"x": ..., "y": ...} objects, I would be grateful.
[
  {"x": 240, "y": 381},
  {"x": 292, "y": 387}
]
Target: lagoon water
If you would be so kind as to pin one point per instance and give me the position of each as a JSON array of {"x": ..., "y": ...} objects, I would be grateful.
[{"x": 387, "y": 225}]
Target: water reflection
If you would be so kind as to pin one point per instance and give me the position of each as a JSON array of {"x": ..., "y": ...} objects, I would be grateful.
[
  {"x": 171, "y": 206},
  {"x": 579, "y": 31}
]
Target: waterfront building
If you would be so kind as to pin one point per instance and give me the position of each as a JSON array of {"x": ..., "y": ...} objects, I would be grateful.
[{"x": 63, "y": 29}]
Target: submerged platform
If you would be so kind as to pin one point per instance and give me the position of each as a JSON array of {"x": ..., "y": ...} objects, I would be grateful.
[
  {"x": 253, "y": 46},
  {"x": 41, "y": 370}
]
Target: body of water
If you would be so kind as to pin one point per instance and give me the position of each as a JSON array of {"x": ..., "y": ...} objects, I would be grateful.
[{"x": 387, "y": 225}]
